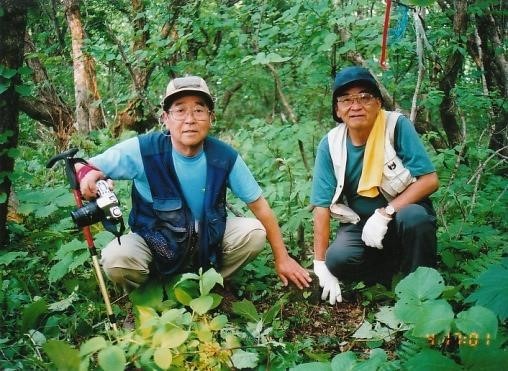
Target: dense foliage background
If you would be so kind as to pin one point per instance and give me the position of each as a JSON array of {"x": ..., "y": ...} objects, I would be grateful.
[{"x": 87, "y": 74}]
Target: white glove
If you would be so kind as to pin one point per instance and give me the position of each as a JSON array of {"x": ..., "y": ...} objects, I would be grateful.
[
  {"x": 375, "y": 229},
  {"x": 328, "y": 282}
]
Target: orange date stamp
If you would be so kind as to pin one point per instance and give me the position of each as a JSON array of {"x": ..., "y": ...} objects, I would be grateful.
[{"x": 472, "y": 339}]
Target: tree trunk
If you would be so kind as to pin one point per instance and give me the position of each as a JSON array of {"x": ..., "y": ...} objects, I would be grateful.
[
  {"x": 12, "y": 33},
  {"x": 453, "y": 67},
  {"x": 496, "y": 75},
  {"x": 46, "y": 106},
  {"x": 89, "y": 115}
]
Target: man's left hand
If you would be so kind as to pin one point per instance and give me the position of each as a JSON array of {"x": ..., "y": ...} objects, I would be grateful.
[
  {"x": 289, "y": 270},
  {"x": 375, "y": 229}
]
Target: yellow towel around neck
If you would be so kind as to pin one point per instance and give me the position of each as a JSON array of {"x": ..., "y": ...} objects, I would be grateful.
[{"x": 373, "y": 159}]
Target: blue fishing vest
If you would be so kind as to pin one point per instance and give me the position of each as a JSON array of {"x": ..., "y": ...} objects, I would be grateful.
[{"x": 169, "y": 211}]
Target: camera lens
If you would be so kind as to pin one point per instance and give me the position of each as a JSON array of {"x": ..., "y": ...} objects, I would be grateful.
[{"x": 87, "y": 215}]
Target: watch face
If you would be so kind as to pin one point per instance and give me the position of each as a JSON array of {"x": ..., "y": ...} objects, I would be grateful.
[{"x": 390, "y": 210}]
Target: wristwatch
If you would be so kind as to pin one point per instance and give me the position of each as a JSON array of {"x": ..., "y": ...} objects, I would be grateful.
[{"x": 390, "y": 210}]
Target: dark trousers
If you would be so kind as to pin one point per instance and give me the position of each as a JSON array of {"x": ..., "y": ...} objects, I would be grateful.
[{"x": 409, "y": 243}]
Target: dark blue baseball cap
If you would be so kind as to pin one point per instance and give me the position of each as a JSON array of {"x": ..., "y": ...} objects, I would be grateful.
[{"x": 351, "y": 76}]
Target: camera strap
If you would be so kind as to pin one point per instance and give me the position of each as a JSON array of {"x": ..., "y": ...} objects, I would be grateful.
[{"x": 117, "y": 228}]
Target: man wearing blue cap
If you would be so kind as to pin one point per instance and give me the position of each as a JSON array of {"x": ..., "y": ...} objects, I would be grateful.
[
  {"x": 374, "y": 176},
  {"x": 180, "y": 178}
]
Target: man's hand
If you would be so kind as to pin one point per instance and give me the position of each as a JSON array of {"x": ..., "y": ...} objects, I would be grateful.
[
  {"x": 288, "y": 269},
  {"x": 87, "y": 184},
  {"x": 375, "y": 229},
  {"x": 328, "y": 282}
]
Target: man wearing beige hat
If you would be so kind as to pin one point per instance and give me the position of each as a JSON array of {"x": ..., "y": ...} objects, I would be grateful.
[{"x": 180, "y": 178}]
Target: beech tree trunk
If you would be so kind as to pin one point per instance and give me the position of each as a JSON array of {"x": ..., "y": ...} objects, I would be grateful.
[
  {"x": 89, "y": 115},
  {"x": 12, "y": 33}
]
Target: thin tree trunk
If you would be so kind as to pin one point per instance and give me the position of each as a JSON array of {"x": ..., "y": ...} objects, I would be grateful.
[
  {"x": 453, "y": 67},
  {"x": 12, "y": 33},
  {"x": 89, "y": 115}
]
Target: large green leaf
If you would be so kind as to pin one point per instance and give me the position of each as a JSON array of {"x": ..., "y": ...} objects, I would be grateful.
[
  {"x": 434, "y": 319},
  {"x": 62, "y": 355},
  {"x": 246, "y": 309},
  {"x": 202, "y": 304},
  {"x": 312, "y": 366},
  {"x": 477, "y": 321},
  {"x": 163, "y": 358},
  {"x": 429, "y": 359},
  {"x": 208, "y": 280},
  {"x": 112, "y": 358},
  {"x": 423, "y": 284},
  {"x": 92, "y": 345},
  {"x": 344, "y": 361},
  {"x": 492, "y": 291},
  {"x": 9, "y": 257}
]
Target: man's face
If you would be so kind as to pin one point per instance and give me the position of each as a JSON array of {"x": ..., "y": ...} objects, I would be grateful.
[
  {"x": 362, "y": 113},
  {"x": 188, "y": 120}
]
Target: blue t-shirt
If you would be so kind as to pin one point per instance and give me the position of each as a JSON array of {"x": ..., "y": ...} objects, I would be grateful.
[
  {"x": 409, "y": 148},
  {"x": 124, "y": 161}
]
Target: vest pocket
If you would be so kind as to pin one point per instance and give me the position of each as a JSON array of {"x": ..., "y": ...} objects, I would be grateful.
[
  {"x": 216, "y": 225},
  {"x": 396, "y": 178}
]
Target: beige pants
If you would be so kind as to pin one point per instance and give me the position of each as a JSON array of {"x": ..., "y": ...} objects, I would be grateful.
[{"x": 127, "y": 264}]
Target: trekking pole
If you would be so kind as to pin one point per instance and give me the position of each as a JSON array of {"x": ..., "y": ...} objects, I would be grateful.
[{"x": 70, "y": 161}]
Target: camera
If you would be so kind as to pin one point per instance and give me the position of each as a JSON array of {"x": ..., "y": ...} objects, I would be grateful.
[{"x": 105, "y": 206}]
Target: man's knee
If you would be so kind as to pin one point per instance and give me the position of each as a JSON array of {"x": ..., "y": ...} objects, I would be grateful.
[
  {"x": 341, "y": 259},
  {"x": 415, "y": 216}
]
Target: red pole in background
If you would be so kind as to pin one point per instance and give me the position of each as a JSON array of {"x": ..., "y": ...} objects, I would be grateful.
[{"x": 382, "y": 61}]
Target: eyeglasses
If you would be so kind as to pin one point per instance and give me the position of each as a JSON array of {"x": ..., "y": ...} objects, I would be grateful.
[
  {"x": 199, "y": 113},
  {"x": 347, "y": 101}
]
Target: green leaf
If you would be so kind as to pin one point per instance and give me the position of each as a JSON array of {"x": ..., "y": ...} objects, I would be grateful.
[
  {"x": 8, "y": 258},
  {"x": 148, "y": 295},
  {"x": 3, "y": 195},
  {"x": 172, "y": 338},
  {"x": 182, "y": 296},
  {"x": 492, "y": 291},
  {"x": 8, "y": 72},
  {"x": 62, "y": 355},
  {"x": 92, "y": 345},
  {"x": 312, "y": 366},
  {"x": 423, "y": 284},
  {"x": 23, "y": 90},
  {"x": 482, "y": 354},
  {"x": 243, "y": 359},
  {"x": 376, "y": 360},
  {"x": 209, "y": 279},
  {"x": 31, "y": 314},
  {"x": 218, "y": 322},
  {"x": 45, "y": 211},
  {"x": 112, "y": 358},
  {"x": 60, "y": 269},
  {"x": 387, "y": 316},
  {"x": 202, "y": 304},
  {"x": 344, "y": 361},
  {"x": 477, "y": 320},
  {"x": 246, "y": 309},
  {"x": 434, "y": 319},
  {"x": 163, "y": 358},
  {"x": 4, "y": 86},
  {"x": 409, "y": 311},
  {"x": 429, "y": 359},
  {"x": 275, "y": 309}
]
